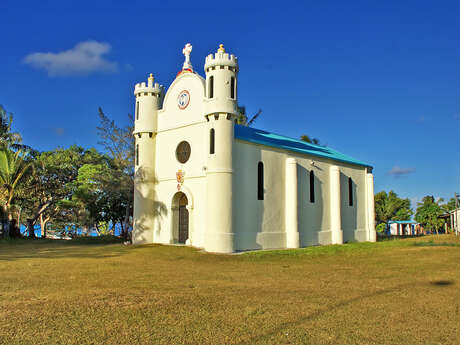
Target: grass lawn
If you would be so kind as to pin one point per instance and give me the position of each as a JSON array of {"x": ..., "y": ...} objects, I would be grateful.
[{"x": 91, "y": 292}]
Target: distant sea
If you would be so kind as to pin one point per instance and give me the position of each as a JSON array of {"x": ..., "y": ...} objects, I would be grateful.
[{"x": 38, "y": 231}]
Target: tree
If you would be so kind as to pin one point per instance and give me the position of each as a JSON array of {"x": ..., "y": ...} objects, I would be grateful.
[
  {"x": 12, "y": 169},
  {"x": 391, "y": 207},
  {"x": 119, "y": 143},
  {"x": 243, "y": 119},
  {"x": 50, "y": 183},
  {"x": 450, "y": 205},
  {"x": 314, "y": 141},
  {"x": 7, "y": 138},
  {"x": 428, "y": 212}
]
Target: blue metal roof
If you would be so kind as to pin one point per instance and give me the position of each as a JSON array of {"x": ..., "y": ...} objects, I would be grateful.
[
  {"x": 259, "y": 136},
  {"x": 402, "y": 222}
]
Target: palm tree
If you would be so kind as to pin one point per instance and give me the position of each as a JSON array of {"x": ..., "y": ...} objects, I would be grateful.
[
  {"x": 307, "y": 139},
  {"x": 12, "y": 169},
  {"x": 243, "y": 119},
  {"x": 7, "y": 138}
]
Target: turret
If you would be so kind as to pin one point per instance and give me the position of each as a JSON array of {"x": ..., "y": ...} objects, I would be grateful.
[
  {"x": 220, "y": 112},
  {"x": 221, "y": 83},
  {"x": 148, "y": 98}
]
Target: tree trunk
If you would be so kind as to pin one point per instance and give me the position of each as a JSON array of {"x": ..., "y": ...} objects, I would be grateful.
[
  {"x": 5, "y": 223},
  {"x": 14, "y": 228},
  {"x": 43, "y": 222},
  {"x": 126, "y": 221},
  {"x": 122, "y": 229},
  {"x": 30, "y": 227},
  {"x": 19, "y": 216},
  {"x": 44, "y": 234}
]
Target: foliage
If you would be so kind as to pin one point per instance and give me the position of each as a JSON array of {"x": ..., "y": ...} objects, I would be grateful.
[
  {"x": 428, "y": 212},
  {"x": 52, "y": 184},
  {"x": 314, "y": 141},
  {"x": 391, "y": 207},
  {"x": 451, "y": 205},
  {"x": 13, "y": 166},
  {"x": 243, "y": 119},
  {"x": 7, "y": 138},
  {"x": 117, "y": 142},
  {"x": 118, "y": 180},
  {"x": 380, "y": 227}
]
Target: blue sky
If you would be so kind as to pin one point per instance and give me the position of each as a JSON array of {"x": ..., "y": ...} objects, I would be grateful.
[{"x": 377, "y": 81}]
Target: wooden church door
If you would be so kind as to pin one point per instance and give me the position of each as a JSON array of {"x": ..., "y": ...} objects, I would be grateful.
[{"x": 183, "y": 219}]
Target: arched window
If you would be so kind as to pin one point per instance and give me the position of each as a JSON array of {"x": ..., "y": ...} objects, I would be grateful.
[
  {"x": 312, "y": 186},
  {"x": 232, "y": 87},
  {"x": 211, "y": 87},
  {"x": 260, "y": 181},
  {"x": 137, "y": 110},
  {"x": 137, "y": 154},
  {"x": 350, "y": 191},
  {"x": 211, "y": 141}
]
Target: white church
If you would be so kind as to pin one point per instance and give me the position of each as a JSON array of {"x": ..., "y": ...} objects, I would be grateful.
[{"x": 205, "y": 181}]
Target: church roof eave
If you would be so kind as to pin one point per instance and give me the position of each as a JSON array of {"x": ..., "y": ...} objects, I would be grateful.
[{"x": 262, "y": 137}]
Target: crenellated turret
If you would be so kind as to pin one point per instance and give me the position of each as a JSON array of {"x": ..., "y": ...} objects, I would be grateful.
[
  {"x": 221, "y": 83},
  {"x": 220, "y": 111},
  {"x": 148, "y": 101}
]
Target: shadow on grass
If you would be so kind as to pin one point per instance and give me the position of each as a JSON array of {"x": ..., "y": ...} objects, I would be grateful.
[
  {"x": 431, "y": 243},
  {"x": 317, "y": 314},
  {"x": 42, "y": 248},
  {"x": 383, "y": 238},
  {"x": 442, "y": 282}
]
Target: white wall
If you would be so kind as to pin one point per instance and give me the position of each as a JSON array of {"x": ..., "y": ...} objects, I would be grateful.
[
  {"x": 260, "y": 224},
  {"x": 176, "y": 125},
  {"x": 171, "y": 116}
]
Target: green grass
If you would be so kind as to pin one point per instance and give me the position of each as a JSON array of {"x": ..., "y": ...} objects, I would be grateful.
[{"x": 94, "y": 291}]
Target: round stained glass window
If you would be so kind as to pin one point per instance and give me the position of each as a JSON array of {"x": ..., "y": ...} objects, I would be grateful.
[{"x": 183, "y": 152}]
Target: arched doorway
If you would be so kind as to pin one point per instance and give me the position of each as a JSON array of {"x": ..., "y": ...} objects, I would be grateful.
[
  {"x": 183, "y": 219},
  {"x": 180, "y": 218}
]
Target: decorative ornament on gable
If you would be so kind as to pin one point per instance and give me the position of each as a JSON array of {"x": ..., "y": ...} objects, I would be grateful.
[
  {"x": 187, "y": 64},
  {"x": 221, "y": 49},
  {"x": 180, "y": 178}
]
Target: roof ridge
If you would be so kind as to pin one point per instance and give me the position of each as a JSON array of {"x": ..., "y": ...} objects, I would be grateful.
[{"x": 284, "y": 142}]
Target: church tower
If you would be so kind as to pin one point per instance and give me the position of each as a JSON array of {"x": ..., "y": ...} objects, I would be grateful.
[
  {"x": 148, "y": 98},
  {"x": 220, "y": 110}
]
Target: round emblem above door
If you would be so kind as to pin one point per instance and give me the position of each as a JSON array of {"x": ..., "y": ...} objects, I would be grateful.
[{"x": 183, "y": 99}]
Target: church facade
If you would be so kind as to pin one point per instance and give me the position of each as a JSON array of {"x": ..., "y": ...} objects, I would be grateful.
[{"x": 205, "y": 181}]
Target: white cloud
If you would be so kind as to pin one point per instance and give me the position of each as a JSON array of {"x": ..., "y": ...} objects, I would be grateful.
[
  {"x": 86, "y": 57},
  {"x": 397, "y": 171}
]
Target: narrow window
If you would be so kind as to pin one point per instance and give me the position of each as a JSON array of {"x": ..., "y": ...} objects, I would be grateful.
[
  {"x": 350, "y": 191},
  {"x": 211, "y": 87},
  {"x": 232, "y": 87},
  {"x": 312, "y": 186},
  {"x": 137, "y": 154},
  {"x": 211, "y": 141},
  {"x": 137, "y": 110},
  {"x": 260, "y": 181}
]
